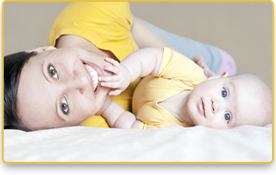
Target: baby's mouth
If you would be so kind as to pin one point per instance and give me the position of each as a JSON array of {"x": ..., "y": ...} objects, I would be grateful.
[{"x": 203, "y": 107}]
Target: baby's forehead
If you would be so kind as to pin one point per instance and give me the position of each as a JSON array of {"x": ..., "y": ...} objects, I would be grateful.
[
  {"x": 255, "y": 113},
  {"x": 247, "y": 80},
  {"x": 254, "y": 100}
]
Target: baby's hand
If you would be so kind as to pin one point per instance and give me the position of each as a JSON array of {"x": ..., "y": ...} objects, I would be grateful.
[
  {"x": 199, "y": 60},
  {"x": 120, "y": 79}
]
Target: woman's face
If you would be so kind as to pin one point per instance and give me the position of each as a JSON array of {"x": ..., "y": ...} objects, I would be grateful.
[{"x": 59, "y": 87}]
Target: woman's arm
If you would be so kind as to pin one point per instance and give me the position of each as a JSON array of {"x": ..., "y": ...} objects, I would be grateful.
[{"x": 146, "y": 37}]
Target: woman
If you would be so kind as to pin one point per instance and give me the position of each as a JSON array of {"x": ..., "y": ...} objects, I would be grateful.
[{"x": 104, "y": 29}]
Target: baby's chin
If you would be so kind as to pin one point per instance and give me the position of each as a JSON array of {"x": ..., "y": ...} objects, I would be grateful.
[{"x": 195, "y": 122}]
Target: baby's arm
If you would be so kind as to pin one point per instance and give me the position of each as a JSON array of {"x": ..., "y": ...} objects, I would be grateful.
[
  {"x": 140, "y": 63},
  {"x": 117, "y": 117}
]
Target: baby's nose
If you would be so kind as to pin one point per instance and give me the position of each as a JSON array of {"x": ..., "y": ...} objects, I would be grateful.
[{"x": 214, "y": 105}]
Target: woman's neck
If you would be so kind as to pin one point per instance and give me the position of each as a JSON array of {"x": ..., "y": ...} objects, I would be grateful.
[{"x": 76, "y": 41}]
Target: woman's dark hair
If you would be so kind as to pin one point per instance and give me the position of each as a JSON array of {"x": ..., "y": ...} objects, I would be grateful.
[{"x": 13, "y": 65}]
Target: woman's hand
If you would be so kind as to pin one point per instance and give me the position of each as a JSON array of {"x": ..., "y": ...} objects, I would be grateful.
[
  {"x": 199, "y": 60},
  {"x": 120, "y": 79}
]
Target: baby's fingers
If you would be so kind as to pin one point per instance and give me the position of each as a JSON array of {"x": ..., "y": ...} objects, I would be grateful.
[
  {"x": 109, "y": 79},
  {"x": 208, "y": 72},
  {"x": 111, "y": 61},
  {"x": 113, "y": 69},
  {"x": 110, "y": 84},
  {"x": 115, "y": 92},
  {"x": 199, "y": 60}
]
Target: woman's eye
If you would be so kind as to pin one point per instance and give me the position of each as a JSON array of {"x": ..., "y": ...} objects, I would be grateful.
[
  {"x": 227, "y": 116},
  {"x": 64, "y": 106},
  {"x": 52, "y": 72},
  {"x": 224, "y": 93}
]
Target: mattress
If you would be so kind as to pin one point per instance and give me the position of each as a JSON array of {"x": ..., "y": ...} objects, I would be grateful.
[{"x": 170, "y": 144}]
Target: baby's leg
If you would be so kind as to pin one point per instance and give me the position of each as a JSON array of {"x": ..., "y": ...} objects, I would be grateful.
[{"x": 216, "y": 59}]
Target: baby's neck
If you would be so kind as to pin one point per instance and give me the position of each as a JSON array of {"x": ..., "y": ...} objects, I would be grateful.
[
  {"x": 183, "y": 109},
  {"x": 177, "y": 106}
]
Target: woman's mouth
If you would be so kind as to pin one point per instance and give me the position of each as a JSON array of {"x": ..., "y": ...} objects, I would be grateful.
[
  {"x": 94, "y": 72},
  {"x": 201, "y": 107},
  {"x": 93, "y": 76}
]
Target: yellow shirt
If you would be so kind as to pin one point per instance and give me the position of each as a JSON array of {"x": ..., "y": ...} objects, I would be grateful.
[
  {"x": 176, "y": 73},
  {"x": 108, "y": 26}
]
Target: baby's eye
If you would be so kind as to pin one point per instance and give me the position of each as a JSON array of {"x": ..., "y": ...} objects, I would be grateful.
[
  {"x": 52, "y": 72},
  {"x": 64, "y": 106},
  {"x": 227, "y": 116},
  {"x": 224, "y": 93}
]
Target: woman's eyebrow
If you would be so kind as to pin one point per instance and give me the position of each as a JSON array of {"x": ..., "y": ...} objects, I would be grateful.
[
  {"x": 43, "y": 71},
  {"x": 56, "y": 103},
  {"x": 57, "y": 110}
]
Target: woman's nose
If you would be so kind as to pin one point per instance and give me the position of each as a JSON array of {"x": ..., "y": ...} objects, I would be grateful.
[{"x": 79, "y": 81}]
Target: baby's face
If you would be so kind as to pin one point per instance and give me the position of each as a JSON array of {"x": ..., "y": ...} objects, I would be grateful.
[{"x": 226, "y": 103}]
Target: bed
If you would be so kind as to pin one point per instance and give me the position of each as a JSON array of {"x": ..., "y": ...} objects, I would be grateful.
[{"x": 246, "y": 144}]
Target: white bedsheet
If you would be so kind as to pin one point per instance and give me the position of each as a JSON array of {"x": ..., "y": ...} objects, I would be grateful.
[{"x": 170, "y": 144}]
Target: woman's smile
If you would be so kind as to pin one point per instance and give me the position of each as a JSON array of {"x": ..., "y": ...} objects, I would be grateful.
[
  {"x": 94, "y": 72},
  {"x": 93, "y": 76}
]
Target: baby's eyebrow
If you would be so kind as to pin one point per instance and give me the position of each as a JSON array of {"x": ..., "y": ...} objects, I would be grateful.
[
  {"x": 234, "y": 99},
  {"x": 233, "y": 87}
]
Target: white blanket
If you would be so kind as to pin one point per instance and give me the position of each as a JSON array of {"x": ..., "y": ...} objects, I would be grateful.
[{"x": 170, "y": 144}]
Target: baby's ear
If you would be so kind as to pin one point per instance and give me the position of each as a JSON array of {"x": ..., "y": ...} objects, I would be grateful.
[
  {"x": 222, "y": 75},
  {"x": 41, "y": 49}
]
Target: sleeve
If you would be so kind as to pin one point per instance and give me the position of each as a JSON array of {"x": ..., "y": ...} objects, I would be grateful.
[
  {"x": 105, "y": 24},
  {"x": 180, "y": 69}
]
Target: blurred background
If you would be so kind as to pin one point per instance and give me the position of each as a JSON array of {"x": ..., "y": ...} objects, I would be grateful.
[{"x": 243, "y": 29}]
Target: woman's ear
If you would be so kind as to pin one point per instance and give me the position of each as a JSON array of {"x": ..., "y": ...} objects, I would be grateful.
[
  {"x": 222, "y": 75},
  {"x": 41, "y": 49}
]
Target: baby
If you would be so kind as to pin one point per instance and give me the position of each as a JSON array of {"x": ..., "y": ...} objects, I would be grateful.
[{"x": 176, "y": 92}]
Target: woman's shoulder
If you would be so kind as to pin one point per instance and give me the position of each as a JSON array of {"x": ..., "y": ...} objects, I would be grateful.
[{"x": 90, "y": 9}]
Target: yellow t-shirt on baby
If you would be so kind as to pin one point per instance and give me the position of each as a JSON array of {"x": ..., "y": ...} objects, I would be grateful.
[
  {"x": 108, "y": 26},
  {"x": 177, "y": 73}
]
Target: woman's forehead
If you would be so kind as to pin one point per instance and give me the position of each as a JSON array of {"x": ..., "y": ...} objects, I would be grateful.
[{"x": 35, "y": 94}]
